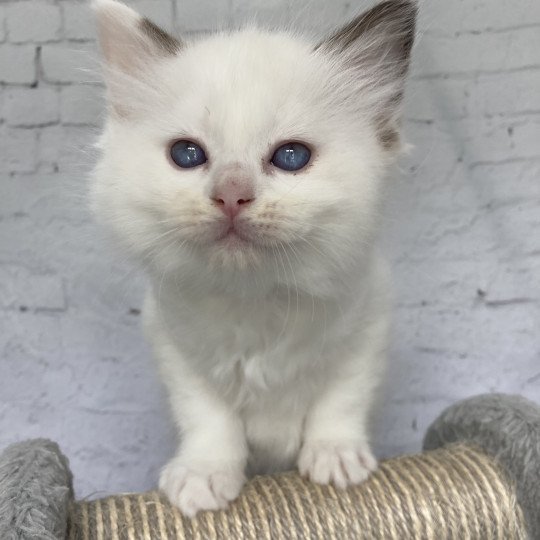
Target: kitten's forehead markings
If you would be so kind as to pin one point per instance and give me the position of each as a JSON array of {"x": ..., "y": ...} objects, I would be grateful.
[{"x": 164, "y": 41}]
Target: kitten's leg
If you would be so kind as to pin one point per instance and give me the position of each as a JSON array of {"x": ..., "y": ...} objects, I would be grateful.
[
  {"x": 335, "y": 441},
  {"x": 208, "y": 470}
]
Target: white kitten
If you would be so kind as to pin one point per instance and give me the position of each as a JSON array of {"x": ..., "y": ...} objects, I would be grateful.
[{"x": 245, "y": 170}]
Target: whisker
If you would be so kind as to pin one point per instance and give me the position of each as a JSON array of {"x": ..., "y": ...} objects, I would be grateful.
[
  {"x": 288, "y": 292},
  {"x": 294, "y": 281},
  {"x": 295, "y": 253}
]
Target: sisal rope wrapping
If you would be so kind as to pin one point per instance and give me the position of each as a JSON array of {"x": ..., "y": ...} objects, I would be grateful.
[{"x": 454, "y": 492}]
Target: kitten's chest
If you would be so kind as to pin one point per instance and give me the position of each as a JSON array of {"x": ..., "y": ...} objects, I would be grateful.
[{"x": 248, "y": 350}]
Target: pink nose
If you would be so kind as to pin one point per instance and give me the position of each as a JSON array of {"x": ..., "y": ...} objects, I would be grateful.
[{"x": 232, "y": 196}]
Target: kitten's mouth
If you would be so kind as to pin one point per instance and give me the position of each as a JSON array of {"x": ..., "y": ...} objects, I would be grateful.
[{"x": 232, "y": 238}]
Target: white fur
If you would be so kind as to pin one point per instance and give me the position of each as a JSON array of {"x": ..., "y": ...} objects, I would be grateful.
[{"x": 271, "y": 351}]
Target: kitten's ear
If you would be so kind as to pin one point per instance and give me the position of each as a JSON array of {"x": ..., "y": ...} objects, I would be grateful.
[
  {"x": 377, "y": 45},
  {"x": 129, "y": 41}
]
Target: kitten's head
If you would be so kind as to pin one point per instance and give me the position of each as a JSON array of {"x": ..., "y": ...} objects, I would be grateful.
[{"x": 249, "y": 154}]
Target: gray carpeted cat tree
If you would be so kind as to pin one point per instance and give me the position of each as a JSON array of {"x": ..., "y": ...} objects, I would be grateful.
[{"x": 478, "y": 478}]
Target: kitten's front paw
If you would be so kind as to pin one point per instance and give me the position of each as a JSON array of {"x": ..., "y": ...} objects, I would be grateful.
[
  {"x": 193, "y": 490},
  {"x": 344, "y": 463}
]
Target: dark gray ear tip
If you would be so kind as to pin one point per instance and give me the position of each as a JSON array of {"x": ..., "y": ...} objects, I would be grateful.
[
  {"x": 397, "y": 18},
  {"x": 404, "y": 12},
  {"x": 166, "y": 43},
  {"x": 401, "y": 14},
  {"x": 402, "y": 9},
  {"x": 394, "y": 21},
  {"x": 406, "y": 5}
]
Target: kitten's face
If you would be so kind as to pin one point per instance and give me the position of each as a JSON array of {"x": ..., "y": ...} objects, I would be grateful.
[{"x": 222, "y": 198}]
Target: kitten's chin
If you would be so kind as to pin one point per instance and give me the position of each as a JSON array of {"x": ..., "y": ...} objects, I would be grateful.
[
  {"x": 233, "y": 253},
  {"x": 232, "y": 250}
]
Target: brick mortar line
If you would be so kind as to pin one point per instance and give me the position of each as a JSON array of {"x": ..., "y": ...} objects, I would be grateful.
[{"x": 482, "y": 31}]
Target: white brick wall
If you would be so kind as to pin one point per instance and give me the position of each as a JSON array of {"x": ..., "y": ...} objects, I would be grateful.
[
  {"x": 31, "y": 107},
  {"x": 2, "y": 24},
  {"x": 462, "y": 228},
  {"x": 202, "y": 14},
  {"x": 78, "y": 26},
  {"x": 33, "y": 21},
  {"x": 71, "y": 62},
  {"x": 18, "y": 64},
  {"x": 82, "y": 105},
  {"x": 18, "y": 151}
]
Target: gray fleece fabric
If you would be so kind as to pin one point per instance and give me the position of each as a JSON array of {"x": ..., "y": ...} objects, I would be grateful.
[
  {"x": 35, "y": 491},
  {"x": 506, "y": 427}
]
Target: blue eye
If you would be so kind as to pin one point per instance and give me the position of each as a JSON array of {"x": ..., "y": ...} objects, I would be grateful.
[
  {"x": 291, "y": 156},
  {"x": 187, "y": 154}
]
